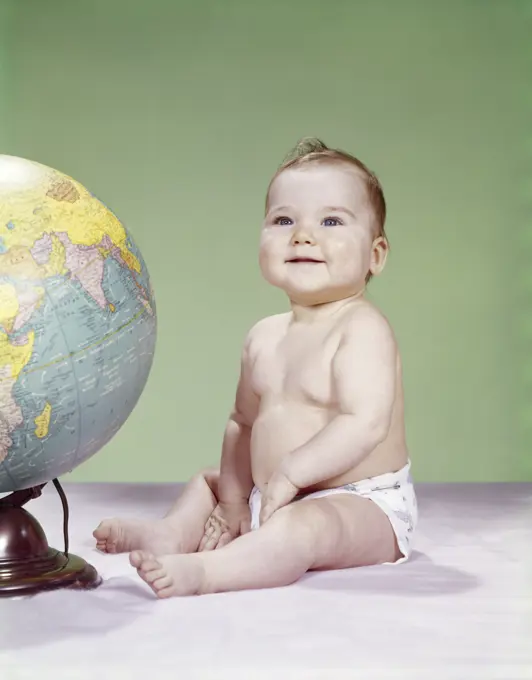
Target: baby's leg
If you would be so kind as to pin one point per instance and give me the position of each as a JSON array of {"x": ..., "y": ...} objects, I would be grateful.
[
  {"x": 332, "y": 532},
  {"x": 180, "y": 531}
]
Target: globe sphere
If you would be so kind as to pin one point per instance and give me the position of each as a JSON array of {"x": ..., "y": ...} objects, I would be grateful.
[{"x": 77, "y": 324}]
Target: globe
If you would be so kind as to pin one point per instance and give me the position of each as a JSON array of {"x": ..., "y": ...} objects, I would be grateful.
[{"x": 77, "y": 324}]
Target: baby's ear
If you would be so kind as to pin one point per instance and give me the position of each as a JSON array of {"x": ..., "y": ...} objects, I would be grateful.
[{"x": 379, "y": 253}]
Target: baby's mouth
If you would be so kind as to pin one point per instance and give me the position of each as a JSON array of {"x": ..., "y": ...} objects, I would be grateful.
[{"x": 304, "y": 260}]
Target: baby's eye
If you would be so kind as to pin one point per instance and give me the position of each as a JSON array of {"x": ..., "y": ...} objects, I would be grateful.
[
  {"x": 282, "y": 221},
  {"x": 328, "y": 220}
]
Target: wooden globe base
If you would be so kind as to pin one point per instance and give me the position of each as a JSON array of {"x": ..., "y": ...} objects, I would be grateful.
[{"x": 27, "y": 564}]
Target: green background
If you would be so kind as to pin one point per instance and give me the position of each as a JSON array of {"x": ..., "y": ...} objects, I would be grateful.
[{"x": 177, "y": 113}]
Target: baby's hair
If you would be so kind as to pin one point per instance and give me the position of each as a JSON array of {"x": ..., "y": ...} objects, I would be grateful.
[{"x": 313, "y": 150}]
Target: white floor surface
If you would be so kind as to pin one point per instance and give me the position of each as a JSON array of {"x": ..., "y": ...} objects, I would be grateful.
[{"x": 461, "y": 608}]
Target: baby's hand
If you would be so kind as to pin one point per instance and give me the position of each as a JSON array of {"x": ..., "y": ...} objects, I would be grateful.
[
  {"x": 227, "y": 522},
  {"x": 279, "y": 492}
]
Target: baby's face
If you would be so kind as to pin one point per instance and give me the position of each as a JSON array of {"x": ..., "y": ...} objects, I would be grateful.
[{"x": 317, "y": 242}]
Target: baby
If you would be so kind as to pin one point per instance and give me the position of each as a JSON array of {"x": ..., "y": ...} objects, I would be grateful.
[{"x": 314, "y": 471}]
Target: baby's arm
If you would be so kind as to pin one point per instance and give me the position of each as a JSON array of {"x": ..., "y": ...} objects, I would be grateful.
[
  {"x": 231, "y": 516},
  {"x": 235, "y": 468},
  {"x": 364, "y": 373}
]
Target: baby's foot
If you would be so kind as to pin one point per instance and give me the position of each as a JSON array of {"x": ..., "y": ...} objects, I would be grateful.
[
  {"x": 170, "y": 575},
  {"x": 122, "y": 535}
]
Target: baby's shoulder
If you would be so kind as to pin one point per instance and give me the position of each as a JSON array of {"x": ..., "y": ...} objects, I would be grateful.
[
  {"x": 269, "y": 327},
  {"x": 264, "y": 333},
  {"x": 368, "y": 320}
]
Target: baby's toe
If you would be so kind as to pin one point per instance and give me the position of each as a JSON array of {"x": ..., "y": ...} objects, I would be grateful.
[
  {"x": 105, "y": 535},
  {"x": 139, "y": 558},
  {"x": 163, "y": 593},
  {"x": 102, "y": 531},
  {"x": 162, "y": 583},
  {"x": 154, "y": 574}
]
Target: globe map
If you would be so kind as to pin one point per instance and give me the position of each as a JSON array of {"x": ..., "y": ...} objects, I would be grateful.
[{"x": 77, "y": 324}]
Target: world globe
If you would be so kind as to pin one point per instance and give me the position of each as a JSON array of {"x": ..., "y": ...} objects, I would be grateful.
[{"x": 77, "y": 324}]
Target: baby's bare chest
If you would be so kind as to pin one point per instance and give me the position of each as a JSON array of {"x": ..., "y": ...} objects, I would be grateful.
[{"x": 297, "y": 366}]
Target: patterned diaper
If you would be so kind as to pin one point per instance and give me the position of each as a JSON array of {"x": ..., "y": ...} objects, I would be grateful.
[{"x": 393, "y": 492}]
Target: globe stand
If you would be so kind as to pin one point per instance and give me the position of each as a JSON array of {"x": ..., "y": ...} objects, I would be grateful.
[{"x": 27, "y": 564}]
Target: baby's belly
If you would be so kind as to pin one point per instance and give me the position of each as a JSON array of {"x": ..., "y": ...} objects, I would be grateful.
[
  {"x": 279, "y": 429},
  {"x": 285, "y": 426}
]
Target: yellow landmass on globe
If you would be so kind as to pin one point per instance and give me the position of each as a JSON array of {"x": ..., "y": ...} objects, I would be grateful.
[
  {"x": 16, "y": 307},
  {"x": 18, "y": 261},
  {"x": 63, "y": 205},
  {"x": 16, "y": 356},
  {"x": 8, "y": 306},
  {"x": 42, "y": 421}
]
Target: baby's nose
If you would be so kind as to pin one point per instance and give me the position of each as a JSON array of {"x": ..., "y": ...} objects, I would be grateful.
[{"x": 303, "y": 238}]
